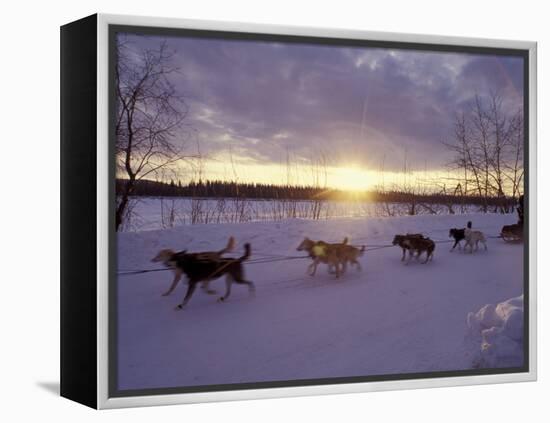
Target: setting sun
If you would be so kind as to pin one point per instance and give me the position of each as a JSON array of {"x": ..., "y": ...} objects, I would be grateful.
[
  {"x": 345, "y": 178},
  {"x": 352, "y": 178}
]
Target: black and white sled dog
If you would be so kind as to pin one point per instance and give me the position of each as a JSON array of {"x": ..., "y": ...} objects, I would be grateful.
[{"x": 458, "y": 235}]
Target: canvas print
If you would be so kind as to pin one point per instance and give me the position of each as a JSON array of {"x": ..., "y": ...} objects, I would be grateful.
[{"x": 293, "y": 211}]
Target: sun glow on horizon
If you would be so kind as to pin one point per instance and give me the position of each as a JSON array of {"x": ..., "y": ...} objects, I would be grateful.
[{"x": 350, "y": 178}]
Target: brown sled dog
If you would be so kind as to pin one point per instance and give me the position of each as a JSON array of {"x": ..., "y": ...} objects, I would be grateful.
[
  {"x": 420, "y": 245},
  {"x": 400, "y": 240},
  {"x": 324, "y": 252},
  {"x": 169, "y": 259},
  {"x": 198, "y": 269}
]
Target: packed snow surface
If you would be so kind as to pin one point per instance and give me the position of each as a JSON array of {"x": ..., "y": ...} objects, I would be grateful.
[{"x": 388, "y": 318}]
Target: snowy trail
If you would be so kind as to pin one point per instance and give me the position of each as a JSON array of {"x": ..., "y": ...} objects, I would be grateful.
[{"x": 388, "y": 318}]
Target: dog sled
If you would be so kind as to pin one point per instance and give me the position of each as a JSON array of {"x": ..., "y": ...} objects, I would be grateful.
[{"x": 512, "y": 233}]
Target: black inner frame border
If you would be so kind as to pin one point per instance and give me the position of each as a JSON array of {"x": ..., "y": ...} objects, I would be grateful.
[{"x": 113, "y": 30}]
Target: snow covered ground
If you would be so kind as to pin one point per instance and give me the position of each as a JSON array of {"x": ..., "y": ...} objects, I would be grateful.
[
  {"x": 388, "y": 318},
  {"x": 151, "y": 213}
]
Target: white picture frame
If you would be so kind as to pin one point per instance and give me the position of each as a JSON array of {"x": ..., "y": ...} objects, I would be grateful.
[{"x": 103, "y": 249}]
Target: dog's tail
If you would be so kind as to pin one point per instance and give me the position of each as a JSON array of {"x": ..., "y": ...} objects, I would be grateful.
[
  {"x": 246, "y": 252},
  {"x": 229, "y": 247}
]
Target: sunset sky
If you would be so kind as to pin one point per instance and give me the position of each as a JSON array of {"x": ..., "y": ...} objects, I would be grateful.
[{"x": 278, "y": 113}]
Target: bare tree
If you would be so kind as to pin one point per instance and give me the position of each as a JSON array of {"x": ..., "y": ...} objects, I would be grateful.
[
  {"x": 319, "y": 173},
  {"x": 411, "y": 188},
  {"x": 514, "y": 165},
  {"x": 149, "y": 117},
  {"x": 488, "y": 146}
]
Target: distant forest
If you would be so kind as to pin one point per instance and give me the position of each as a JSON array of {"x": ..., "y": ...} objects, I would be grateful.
[{"x": 224, "y": 189}]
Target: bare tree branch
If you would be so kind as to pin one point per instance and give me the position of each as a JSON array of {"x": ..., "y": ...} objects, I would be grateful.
[{"x": 150, "y": 135}]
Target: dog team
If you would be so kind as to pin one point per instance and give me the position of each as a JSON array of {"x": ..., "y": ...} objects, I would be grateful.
[{"x": 203, "y": 267}]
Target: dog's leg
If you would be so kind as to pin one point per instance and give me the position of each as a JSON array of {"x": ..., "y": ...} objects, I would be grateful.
[
  {"x": 175, "y": 282},
  {"x": 314, "y": 267},
  {"x": 251, "y": 286},
  {"x": 357, "y": 265},
  {"x": 188, "y": 295},
  {"x": 206, "y": 287},
  {"x": 410, "y": 257},
  {"x": 404, "y": 253},
  {"x": 427, "y": 257},
  {"x": 456, "y": 243},
  {"x": 228, "y": 282}
]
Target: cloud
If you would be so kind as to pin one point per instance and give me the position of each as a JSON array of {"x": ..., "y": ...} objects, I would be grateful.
[{"x": 357, "y": 105}]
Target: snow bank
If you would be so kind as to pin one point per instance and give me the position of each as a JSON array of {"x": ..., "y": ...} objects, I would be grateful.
[{"x": 499, "y": 328}]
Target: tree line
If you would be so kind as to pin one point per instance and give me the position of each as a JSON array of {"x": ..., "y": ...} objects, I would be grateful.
[{"x": 229, "y": 189}]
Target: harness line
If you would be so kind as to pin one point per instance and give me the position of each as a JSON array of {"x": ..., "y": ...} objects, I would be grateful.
[{"x": 276, "y": 258}]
